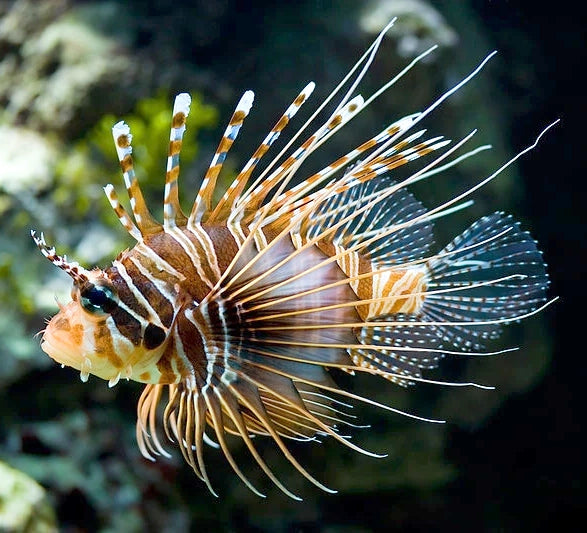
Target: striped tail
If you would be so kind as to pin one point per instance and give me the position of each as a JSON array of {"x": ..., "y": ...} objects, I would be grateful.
[{"x": 490, "y": 275}]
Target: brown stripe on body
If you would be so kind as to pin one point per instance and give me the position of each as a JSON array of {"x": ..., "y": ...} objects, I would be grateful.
[
  {"x": 170, "y": 251},
  {"x": 165, "y": 365},
  {"x": 201, "y": 253},
  {"x": 225, "y": 246},
  {"x": 193, "y": 348},
  {"x": 125, "y": 293},
  {"x": 128, "y": 326},
  {"x": 401, "y": 289},
  {"x": 167, "y": 247},
  {"x": 352, "y": 264},
  {"x": 151, "y": 293}
]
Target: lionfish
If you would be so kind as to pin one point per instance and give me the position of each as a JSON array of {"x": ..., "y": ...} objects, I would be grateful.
[{"x": 240, "y": 309}]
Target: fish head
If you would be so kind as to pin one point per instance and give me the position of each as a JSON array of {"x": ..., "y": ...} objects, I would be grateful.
[{"x": 99, "y": 331}]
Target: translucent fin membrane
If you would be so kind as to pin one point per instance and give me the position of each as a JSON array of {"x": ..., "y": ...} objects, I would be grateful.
[
  {"x": 512, "y": 256},
  {"x": 406, "y": 244}
]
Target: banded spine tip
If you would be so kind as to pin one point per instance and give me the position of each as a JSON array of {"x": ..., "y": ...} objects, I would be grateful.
[
  {"x": 309, "y": 89},
  {"x": 122, "y": 139},
  {"x": 356, "y": 103},
  {"x": 182, "y": 104},
  {"x": 121, "y": 127},
  {"x": 246, "y": 102}
]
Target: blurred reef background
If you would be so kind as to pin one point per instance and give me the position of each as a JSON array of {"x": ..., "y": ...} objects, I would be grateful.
[{"x": 508, "y": 460}]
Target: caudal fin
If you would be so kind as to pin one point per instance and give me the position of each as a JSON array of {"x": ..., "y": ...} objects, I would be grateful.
[{"x": 491, "y": 274}]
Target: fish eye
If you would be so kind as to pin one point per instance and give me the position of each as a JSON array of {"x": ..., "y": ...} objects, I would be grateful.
[{"x": 98, "y": 299}]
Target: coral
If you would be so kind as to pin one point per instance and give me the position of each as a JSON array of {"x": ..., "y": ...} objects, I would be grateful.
[
  {"x": 23, "y": 504},
  {"x": 418, "y": 27}
]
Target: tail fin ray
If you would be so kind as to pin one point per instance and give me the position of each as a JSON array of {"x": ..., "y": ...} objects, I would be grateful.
[{"x": 492, "y": 249}]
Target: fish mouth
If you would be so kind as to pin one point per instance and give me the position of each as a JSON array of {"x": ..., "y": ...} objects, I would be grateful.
[
  {"x": 60, "y": 352},
  {"x": 63, "y": 339}
]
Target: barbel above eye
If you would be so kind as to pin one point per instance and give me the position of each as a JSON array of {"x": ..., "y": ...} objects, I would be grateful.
[{"x": 98, "y": 298}]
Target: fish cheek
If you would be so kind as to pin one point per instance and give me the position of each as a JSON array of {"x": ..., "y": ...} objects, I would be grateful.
[
  {"x": 103, "y": 340},
  {"x": 165, "y": 367},
  {"x": 77, "y": 334},
  {"x": 61, "y": 323},
  {"x": 104, "y": 346}
]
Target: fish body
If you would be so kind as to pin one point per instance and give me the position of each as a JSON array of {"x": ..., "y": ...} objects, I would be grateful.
[{"x": 240, "y": 308}]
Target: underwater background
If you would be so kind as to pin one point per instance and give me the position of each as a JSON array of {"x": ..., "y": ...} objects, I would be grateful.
[{"x": 507, "y": 460}]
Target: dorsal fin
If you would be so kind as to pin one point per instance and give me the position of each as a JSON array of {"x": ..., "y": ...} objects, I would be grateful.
[
  {"x": 255, "y": 197},
  {"x": 401, "y": 246},
  {"x": 121, "y": 213},
  {"x": 203, "y": 203},
  {"x": 393, "y": 131},
  {"x": 143, "y": 218},
  {"x": 172, "y": 213},
  {"x": 235, "y": 190}
]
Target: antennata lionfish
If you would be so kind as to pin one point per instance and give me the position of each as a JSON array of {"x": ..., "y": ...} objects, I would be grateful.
[{"x": 238, "y": 309}]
